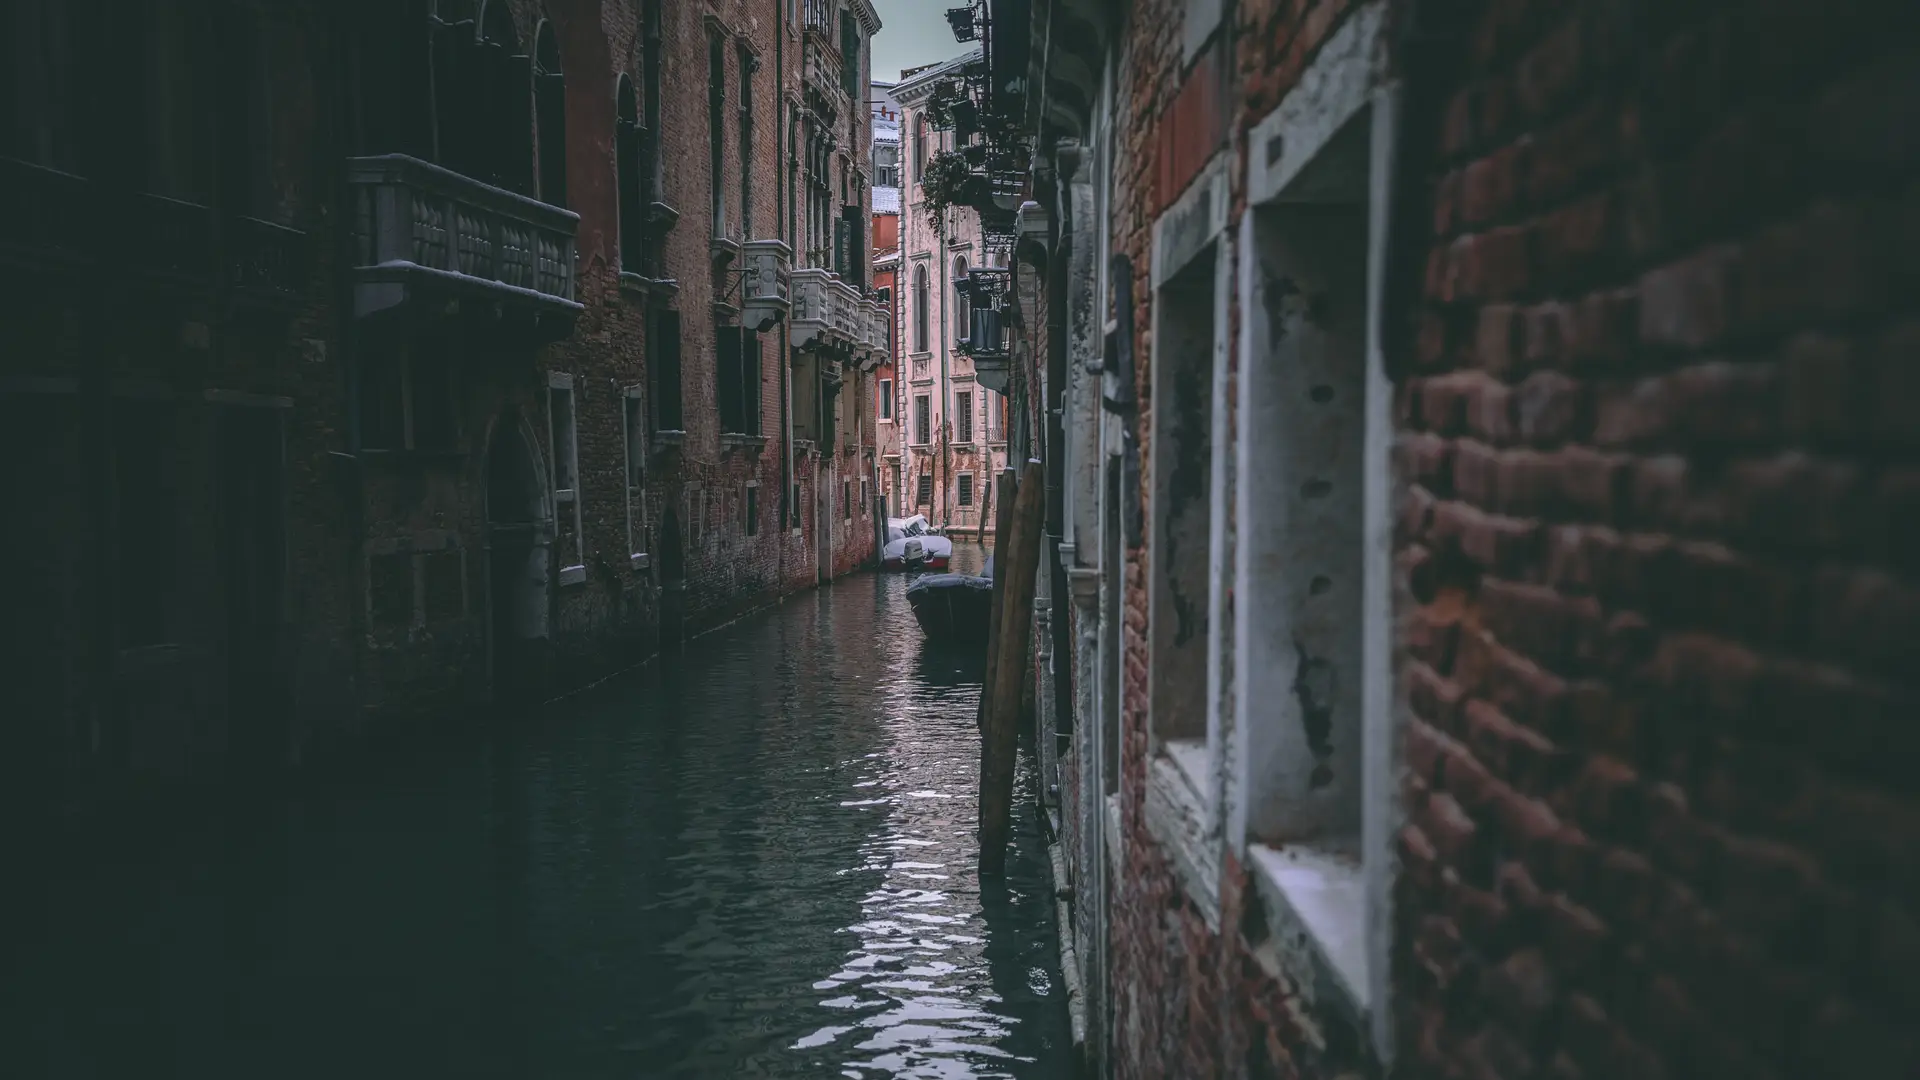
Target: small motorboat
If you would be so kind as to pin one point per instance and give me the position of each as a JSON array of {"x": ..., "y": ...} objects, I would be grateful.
[
  {"x": 912, "y": 545},
  {"x": 952, "y": 607}
]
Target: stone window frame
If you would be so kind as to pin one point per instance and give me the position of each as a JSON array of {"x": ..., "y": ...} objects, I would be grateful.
[
  {"x": 963, "y": 488},
  {"x": 1323, "y": 877},
  {"x": 886, "y": 402},
  {"x": 573, "y": 573},
  {"x": 633, "y": 419},
  {"x": 1191, "y": 279}
]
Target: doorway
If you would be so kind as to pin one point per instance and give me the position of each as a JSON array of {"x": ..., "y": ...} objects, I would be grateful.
[
  {"x": 519, "y": 536},
  {"x": 252, "y": 548}
]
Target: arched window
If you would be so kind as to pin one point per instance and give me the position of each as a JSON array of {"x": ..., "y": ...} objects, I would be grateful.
[
  {"x": 626, "y": 172},
  {"x": 920, "y": 335},
  {"x": 919, "y": 147},
  {"x": 550, "y": 115},
  {"x": 961, "y": 328}
]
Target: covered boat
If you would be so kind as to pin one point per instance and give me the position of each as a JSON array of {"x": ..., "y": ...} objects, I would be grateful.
[
  {"x": 912, "y": 545},
  {"x": 952, "y": 607}
]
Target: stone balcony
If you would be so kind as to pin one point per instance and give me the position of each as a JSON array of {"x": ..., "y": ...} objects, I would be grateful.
[
  {"x": 826, "y": 312},
  {"x": 764, "y": 284},
  {"x": 428, "y": 239}
]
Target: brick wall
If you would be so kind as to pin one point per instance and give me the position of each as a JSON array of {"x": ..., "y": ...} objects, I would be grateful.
[
  {"x": 1658, "y": 466},
  {"x": 352, "y": 663}
]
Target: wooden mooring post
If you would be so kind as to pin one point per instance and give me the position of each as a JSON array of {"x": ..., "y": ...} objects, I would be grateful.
[
  {"x": 1003, "y": 488},
  {"x": 1019, "y": 553}
]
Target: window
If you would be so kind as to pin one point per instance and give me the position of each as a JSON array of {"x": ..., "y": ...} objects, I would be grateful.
[
  {"x": 36, "y": 104},
  {"x": 886, "y": 399},
  {"x": 407, "y": 399},
  {"x": 633, "y": 433},
  {"x": 846, "y": 500},
  {"x": 919, "y": 147},
  {"x": 753, "y": 508},
  {"x": 991, "y": 403},
  {"x": 1313, "y": 647},
  {"x": 850, "y": 56},
  {"x": 923, "y": 496},
  {"x": 748, "y": 62},
  {"x": 964, "y": 400},
  {"x": 965, "y": 489},
  {"x": 1179, "y": 614},
  {"x": 650, "y": 63},
  {"x": 663, "y": 356},
  {"x": 147, "y": 521},
  {"x": 717, "y": 131},
  {"x": 737, "y": 379},
  {"x": 921, "y": 338},
  {"x": 626, "y": 170},
  {"x": 922, "y": 419},
  {"x": 960, "y": 327},
  {"x": 247, "y": 111},
  {"x": 550, "y": 113},
  {"x": 563, "y": 448}
]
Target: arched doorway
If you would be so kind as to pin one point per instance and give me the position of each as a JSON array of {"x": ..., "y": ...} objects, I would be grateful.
[{"x": 519, "y": 533}]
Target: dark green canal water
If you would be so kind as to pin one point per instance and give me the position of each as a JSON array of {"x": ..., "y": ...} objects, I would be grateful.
[{"x": 755, "y": 859}]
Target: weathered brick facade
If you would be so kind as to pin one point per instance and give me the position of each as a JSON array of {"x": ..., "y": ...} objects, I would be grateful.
[
  {"x": 1640, "y": 455},
  {"x": 269, "y": 347}
]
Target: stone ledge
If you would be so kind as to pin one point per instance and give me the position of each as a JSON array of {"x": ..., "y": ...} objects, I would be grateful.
[
  {"x": 1316, "y": 907},
  {"x": 1177, "y": 818}
]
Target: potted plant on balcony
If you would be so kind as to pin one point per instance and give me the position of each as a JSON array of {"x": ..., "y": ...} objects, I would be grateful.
[{"x": 948, "y": 182}]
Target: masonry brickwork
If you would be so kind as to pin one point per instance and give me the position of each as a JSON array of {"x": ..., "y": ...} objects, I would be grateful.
[
  {"x": 237, "y": 337},
  {"x": 1652, "y": 610}
]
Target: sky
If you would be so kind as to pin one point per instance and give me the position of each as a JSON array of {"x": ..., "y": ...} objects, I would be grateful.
[{"x": 912, "y": 33}]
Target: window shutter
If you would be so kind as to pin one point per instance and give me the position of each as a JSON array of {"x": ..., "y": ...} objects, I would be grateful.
[
  {"x": 515, "y": 94},
  {"x": 751, "y": 374},
  {"x": 626, "y": 170},
  {"x": 452, "y": 91},
  {"x": 550, "y": 92},
  {"x": 727, "y": 378},
  {"x": 666, "y": 371}
]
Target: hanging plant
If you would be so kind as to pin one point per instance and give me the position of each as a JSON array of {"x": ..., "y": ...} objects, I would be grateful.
[
  {"x": 948, "y": 182},
  {"x": 946, "y": 96}
]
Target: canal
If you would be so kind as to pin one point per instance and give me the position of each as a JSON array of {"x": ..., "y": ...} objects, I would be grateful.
[{"x": 755, "y": 858}]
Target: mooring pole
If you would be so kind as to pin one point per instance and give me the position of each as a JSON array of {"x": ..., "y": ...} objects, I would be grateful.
[
  {"x": 999, "y": 739},
  {"x": 1003, "y": 495}
]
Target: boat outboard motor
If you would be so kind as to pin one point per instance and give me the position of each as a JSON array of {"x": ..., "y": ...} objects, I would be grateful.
[{"x": 915, "y": 554}]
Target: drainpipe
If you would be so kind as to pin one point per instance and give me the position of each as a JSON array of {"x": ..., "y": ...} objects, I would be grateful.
[{"x": 943, "y": 473}]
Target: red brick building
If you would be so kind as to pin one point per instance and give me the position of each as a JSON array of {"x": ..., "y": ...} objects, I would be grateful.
[
  {"x": 1475, "y": 607},
  {"x": 458, "y": 348}
]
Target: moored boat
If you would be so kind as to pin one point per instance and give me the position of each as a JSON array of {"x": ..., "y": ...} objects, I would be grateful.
[
  {"x": 952, "y": 607},
  {"x": 912, "y": 545}
]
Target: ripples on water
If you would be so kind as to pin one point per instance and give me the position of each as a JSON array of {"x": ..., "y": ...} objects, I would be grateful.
[{"x": 756, "y": 859}]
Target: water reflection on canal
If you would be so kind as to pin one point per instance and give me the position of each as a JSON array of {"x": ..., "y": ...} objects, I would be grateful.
[{"x": 753, "y": 860}]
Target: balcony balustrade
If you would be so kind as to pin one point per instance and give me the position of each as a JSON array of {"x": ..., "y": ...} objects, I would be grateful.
[
  {"x": 764, "y": 286},
  {"x": 426, "y": 235},
  {"x": 811, "y": 320},
  {"x": 846, "y": 303}
]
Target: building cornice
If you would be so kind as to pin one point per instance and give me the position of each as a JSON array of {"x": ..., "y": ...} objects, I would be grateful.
[{"x": 916, "y": 90}]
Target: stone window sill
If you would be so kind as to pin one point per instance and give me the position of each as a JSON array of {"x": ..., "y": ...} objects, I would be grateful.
[
  {"x": 733, "y": 440},
  {"x": 1315, "y": 898},
  {"x": 1176, "y": 816},
  {"x": 639, "y": 560},
  {"x": 573, "y": 575}
]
